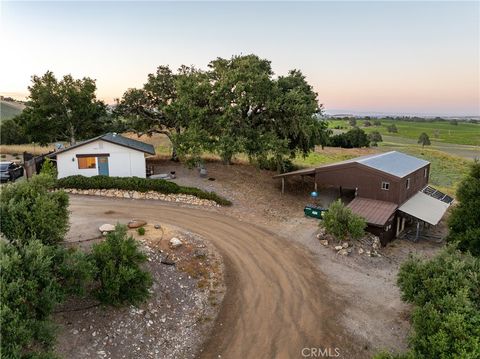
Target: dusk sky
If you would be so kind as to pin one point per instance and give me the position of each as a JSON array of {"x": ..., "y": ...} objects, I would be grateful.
[{"x": 382, "y": 57}]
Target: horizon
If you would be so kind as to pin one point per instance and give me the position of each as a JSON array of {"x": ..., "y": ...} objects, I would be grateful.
[{"x": 360, "y": 57}]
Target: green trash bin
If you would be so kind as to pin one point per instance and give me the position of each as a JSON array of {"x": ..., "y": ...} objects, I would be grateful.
[{"x": 314, "y": 211}]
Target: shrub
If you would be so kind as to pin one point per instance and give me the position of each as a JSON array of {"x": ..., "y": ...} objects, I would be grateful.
[
  {"x": 141, "y": 231},
  {"x": 28, "y": 210},
  {"x": 118, "y": 261},
  {"x": 445, "y": 293},
  {"x": 137, "y": 184},
  {"x": 392, "y": 128},
  {"x": 29, "y": 292},
  {"x": 340, "y": 222},
  {"x": 464, "y": 221},
  {"x": 354, "y": 138},
  {"x": 49, "y": 169}
]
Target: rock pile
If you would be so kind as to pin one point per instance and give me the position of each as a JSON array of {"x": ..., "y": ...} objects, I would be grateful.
[
  {"x": 180, "y": 198},
  {"x": 368, "y": 245}
]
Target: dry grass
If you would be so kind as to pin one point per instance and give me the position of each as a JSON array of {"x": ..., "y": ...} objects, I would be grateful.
[{"x": 19, "y": 149}]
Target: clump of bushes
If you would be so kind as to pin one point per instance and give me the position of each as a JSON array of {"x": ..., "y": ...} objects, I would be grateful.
[
  {"x": 354, "y": 138},
  {"x": 464, "y": 221},
  {"x": 117, "y": 260},
  {"x": 30, "y": 211},
  {"x": 141, "y": 231},
  {"x": 137, "y": 184},
  {"x": 342, "y": 223},
  {"x": 446, "y": 316}
]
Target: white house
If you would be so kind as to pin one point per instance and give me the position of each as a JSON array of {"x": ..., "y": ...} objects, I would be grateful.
[{"x": 108, "y": 155}]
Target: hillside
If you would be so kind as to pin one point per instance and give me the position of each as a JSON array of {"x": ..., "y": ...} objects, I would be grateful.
[{"x": 10, "y": 109}]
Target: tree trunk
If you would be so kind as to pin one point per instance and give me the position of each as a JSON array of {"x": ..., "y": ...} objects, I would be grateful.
[{"x": 72, "y": 136}]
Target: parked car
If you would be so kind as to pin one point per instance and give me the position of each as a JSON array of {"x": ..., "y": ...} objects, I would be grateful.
[{"x": 10, "y": 171}]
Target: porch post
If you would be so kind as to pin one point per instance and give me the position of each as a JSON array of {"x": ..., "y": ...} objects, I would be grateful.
[
  {"x": 418, "y": 231},
  {"x": 283, "y": 185}
]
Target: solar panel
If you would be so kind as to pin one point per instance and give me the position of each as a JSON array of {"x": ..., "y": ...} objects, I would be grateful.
[{"x": 435, "y": 193}]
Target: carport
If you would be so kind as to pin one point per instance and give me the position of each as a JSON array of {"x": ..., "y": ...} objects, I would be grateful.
[{"x": 304, "y": 172}]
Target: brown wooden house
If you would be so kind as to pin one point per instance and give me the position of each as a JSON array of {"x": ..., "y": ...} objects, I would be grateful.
[{"x": 383, "y": 184}]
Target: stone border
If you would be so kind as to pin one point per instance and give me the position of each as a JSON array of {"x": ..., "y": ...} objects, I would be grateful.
[{"x": 117, "y": 193}]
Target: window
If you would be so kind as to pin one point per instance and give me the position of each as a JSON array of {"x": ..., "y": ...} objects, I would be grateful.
[
  {"x": 408, "y": 183},
  {"x": 86, "y": 162},
  {"x": 385, "y": 186}
]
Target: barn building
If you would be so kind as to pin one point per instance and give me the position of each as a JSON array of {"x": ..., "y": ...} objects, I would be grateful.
[
  {"x": 109, "y": 155},
  {"x": 389, "y": 189}
]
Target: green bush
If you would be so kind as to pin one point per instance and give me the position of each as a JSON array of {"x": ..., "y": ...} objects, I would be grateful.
[
  {"x": 29, "y": 291},
  {"x": 49, "y": 169},
  {"x": 118, "y": 261},
  {"x": 445, "y": 293},
  {"x": 464, "y": 221},
  {"x": 340, "y": 222},
  {"x": 28, "y": 210},
  {"x": 141, "y": 231},
  {"x": 137, "y": 184}
]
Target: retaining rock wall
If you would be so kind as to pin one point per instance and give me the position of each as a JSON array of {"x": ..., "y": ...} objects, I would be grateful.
[{"x": 180, "y": 198}]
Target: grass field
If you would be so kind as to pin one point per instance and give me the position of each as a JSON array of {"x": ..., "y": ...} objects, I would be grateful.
[
  {"x": 442, "y": 131},
  {"x": 19, "y": 149},
  {"x": 9, "y": 109}
]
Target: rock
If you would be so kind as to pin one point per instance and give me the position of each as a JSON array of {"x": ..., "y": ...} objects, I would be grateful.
[
  {"x": 368, "y": 253},
  {"x": 104, "y": 233},
  {"x": 135, "y": 223},
  {"x": 200, "y": 253},
  {"x": 343, "y": 252},
  {"x": 167, "y": 261},
  {"x": 360, "y": 251},
  {"x": 337, "y": 248},
  {"x": 107, "y": 227},
  {"x": 175, "y": 242},
  {"x": 345, "y": 245},
  {"x": 157, "y": 226},
  {"x": 324, "y": 242}
]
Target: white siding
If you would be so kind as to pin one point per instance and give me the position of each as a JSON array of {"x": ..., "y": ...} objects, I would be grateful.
[{"x": 123, "y": 161}]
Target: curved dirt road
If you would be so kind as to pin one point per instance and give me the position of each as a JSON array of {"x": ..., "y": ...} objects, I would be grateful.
[{"x": 276, "y": 304}]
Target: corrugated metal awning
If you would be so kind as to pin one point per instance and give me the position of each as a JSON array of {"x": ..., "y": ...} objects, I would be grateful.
[
  {"x": 303, "y": 172},
  {"x": 425, "y": 208},
  {"x": 375, "y": 212}
]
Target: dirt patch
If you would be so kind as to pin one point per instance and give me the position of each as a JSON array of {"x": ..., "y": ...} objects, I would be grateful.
[{"x": 174, "y": 321}]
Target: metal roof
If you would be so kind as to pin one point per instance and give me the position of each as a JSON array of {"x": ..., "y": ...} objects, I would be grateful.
[
  {"x": 116, "y": 139},
  {"x": 395, "y": 163},
  {"x": 375, "y": 212},
  {"x": 425, "y": 208},
  {"x": 306, "y": 171}
]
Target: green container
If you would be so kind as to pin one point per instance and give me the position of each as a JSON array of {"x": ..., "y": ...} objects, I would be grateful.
[{"x": 315, "y": 212}]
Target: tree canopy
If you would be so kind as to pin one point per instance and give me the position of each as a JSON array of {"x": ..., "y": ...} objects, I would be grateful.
[
  {"x": 235, "y": 106},
  {"x": 464, "y": 221},
  {"x": 424, "y": 140},
  {"x": 65, "y": 109}
]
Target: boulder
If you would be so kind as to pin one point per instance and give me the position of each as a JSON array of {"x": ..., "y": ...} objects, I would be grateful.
[
  {"x": 107, "y": 227},
  {"x": 343, "y": 252},
  {"x": 360, "y": 251},
  {"x": 324, "y": 242},
  {"x": 157, "y": 226},
  {"x": 135, "y": 223},
  {"x": 337, "y": 248},
  {"x": 175, "y": 242},
  {"x": 345, "y": 245}
]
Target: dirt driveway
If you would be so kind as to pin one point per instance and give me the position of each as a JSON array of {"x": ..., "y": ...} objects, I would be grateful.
[{"x": 277, "y": 302}]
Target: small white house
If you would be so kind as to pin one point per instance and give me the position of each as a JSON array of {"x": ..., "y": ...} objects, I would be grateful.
[{"x": 108, "y": 155}]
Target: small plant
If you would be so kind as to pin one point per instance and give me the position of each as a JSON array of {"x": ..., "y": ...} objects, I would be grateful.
[
  {"x": 141, "y": 231},
  {"x": 342, "y": 223},
  {"x": 118, "y": 260}
]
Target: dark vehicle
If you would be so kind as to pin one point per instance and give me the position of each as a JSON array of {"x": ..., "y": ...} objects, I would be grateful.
[{"x": 10, "y": 171}]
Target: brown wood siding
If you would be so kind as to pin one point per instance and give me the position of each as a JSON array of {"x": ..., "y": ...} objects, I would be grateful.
[
  {"x": 417, "y": 182},
  {"x": 369, "y": 182}
]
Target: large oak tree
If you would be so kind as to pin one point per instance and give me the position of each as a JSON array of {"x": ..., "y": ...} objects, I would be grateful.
[{"x": 65, "y": 109}]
